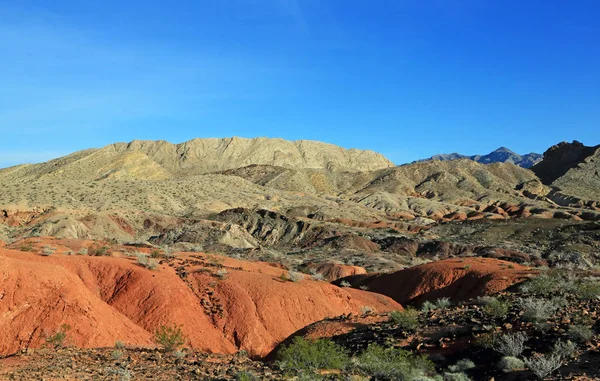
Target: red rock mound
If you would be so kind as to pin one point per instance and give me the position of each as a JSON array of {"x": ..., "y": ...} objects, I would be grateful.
[
  {"x": 457, "y": 279},
  {"x": 334, "y": 271},
  {"x": 223, "y": 304},
  {"x": 37, "y": 300}
]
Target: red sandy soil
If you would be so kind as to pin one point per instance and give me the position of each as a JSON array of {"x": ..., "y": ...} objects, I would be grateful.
[
  {"x": 457, "y": 279},
  {"x": 105, "y": 299}
]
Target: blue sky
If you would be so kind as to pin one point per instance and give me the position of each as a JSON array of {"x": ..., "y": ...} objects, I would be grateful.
[{"x": 407, "y": 78}]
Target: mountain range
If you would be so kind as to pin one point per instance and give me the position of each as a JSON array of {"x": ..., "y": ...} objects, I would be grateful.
[
  {"x": 246, "y": 245},
  {"x": 501, "y": 155},
  {"x": 143, "y": 189}
]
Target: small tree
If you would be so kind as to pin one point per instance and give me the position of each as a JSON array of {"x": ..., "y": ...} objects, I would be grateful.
[
  {"x": 308, "y": 355},
  {"x": 57, "y": 340},
  {"x": 169, "y": 337}
]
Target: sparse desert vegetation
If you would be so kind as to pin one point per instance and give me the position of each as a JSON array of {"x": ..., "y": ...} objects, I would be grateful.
[{"x": 299, "y": 273}]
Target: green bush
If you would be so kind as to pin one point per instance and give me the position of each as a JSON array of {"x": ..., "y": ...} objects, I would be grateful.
[
  {"x": 587, "y": 290},
  {"x": 407, "y": 319},
  {"x": 393, "y": 364},
  {"x": 537, "y": 310},
  {"x": 443, "y": 303},
  {"x": 309, "y": 355},
  {"x": 461, "y": 366},
  {"x": 454, "y": 376},
  {"x": 565, "y": 349},
  {"x": 99, "y": 251},
  {"x": 581, "y": 333},
  {"x": 145, "y": 261},
  {"x": 427, "y": 306},
  {"x": 57, "y": 340},
  {"x": 170, "y": 338},
  {"x": 245, "y": 376},
  {"x": 26, "y": 247},
  {"x": 510, "y": 344},
  {"x": 494, "y": 307},
  {"x": 510, "y": 364},
  {"x": 543, "y": 365},
  {"x": 117, "y": 354},
  {"x": 552, "y": 282}
]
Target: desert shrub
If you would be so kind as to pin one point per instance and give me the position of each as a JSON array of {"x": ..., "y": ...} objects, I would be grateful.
[
  {"x": 345, "y": 283},
  {"x": 393, "y": 364},
  {"x": 367, "y": 310},
  {"x": 215, "y": 260},
  {"x": 317, "y": 275},
  {"x": 26, "y": 247},
  {"x": 407, "y": 319},
  {"x": 427, "y": 306},
  {"x": 117, "y": 354},
  {"x": 443, "y": 303},
  {"x": 510, "y": 344},
  {"x": 99, "y": 251},
  {"x": 145, "y": 261},
  {"x": 565, "y": 349},
  {"x": 83, "y": 251},
  {"x": 155, "y": 254},
  {"x": 48, "y": 250},
  {"x": 179, "y": 354},
  {"x": 581, "y": 333},
  {"x": 295, "y": 276},
  {"x": 485, "y": 340},
  {"x": 122, "y": 373},
  {"x": 456, "y": 376},
  {"x": 440, "y": 303},
  {"x": 57, "y": 339},
  {"x": 543, "y": 365},
  {"x": 537, "y": 310},
  {"x": 119, "y": 344},
  {"x": 364, "y": 287},
  {"x": 494, "y": 307},
  {"x": 308, "y": 355},
  {"x": 168, "y": 252},
  {"x": 245, "y": 376},
  {"x": 461, "y": 366},
  {"x": 552, "y": 282},
  {"x": 587, "y": 290},
  {"x": 222, "y": 273},
  {"x": 509, "y": 364},
  {"x": 169, "y": 337},
  {"x": 541, "y": 285}
]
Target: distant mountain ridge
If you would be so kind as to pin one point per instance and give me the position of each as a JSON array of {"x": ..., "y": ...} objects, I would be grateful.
[
  {"x": 501, "y": 155},
  {"x": 159, "y": 160}
]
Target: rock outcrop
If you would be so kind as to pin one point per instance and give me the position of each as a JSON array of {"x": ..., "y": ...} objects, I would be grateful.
[{"x": 457, "y": 279}]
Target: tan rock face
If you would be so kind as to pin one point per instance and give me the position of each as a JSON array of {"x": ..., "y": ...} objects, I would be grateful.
[{"x": 159, "y": 160}]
